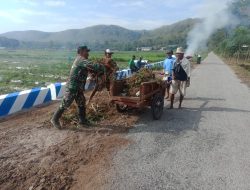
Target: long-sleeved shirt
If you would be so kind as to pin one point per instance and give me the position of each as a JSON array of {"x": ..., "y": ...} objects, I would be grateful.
[{"x": 79, "y": 72}]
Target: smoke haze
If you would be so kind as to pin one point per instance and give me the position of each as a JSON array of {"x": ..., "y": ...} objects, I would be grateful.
[{"x": 216, "y": 15}]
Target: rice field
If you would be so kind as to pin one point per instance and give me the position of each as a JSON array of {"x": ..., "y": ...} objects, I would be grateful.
[{"x": 25, "y": 69}]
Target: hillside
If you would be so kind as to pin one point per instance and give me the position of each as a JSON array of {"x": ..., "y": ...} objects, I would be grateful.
[
  {"x": 174, "y": 34},
  {"x": 6, "y": 42},
  {"x": 89, "y": 34},
  {"x": 29, "y": 35},
  {"x": 101, "y": 36},
  {"x": 229, "y": 41}
]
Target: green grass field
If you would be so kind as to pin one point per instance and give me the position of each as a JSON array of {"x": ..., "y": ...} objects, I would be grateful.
[{"x": 25, "y": 69}]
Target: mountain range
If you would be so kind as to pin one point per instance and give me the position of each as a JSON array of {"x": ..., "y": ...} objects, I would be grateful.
[{"x": 100, "y": 36}]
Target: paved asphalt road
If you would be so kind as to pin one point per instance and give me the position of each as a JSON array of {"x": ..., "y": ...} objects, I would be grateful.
[{"x": 205, "y": 145}]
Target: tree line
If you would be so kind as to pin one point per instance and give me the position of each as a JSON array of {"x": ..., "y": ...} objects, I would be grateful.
[{"x": 234, "y": 41}]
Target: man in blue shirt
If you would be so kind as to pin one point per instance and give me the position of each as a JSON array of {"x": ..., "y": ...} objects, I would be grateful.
[{"x": 168, "y": 69}]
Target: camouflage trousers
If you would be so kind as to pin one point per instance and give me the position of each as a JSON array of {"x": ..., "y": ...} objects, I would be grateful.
[{"x": 69, "y": 97}]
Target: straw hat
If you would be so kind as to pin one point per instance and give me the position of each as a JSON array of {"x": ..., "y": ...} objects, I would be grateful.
[{"x": 179, "y": 50}]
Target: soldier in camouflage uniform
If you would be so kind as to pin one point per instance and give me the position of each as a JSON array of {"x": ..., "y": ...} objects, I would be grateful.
[
  {"x": 75, "y": 87},
  {"x": 111, "y": 67}
]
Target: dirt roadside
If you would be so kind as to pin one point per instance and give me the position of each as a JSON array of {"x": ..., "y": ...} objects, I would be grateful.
[
  {"x": 34, "y": 155},
  {"x": 241, "y": 70}
]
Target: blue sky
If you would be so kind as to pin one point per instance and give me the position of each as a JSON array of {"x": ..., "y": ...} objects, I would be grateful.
[{"x": 57, "y": 15}]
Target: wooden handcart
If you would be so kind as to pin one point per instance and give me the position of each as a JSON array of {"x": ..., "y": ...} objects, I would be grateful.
[{"x": 151, "y": 95}]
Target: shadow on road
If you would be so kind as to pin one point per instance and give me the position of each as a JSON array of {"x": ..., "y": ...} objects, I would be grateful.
[
  {"x": 176, "y": 121},
  {"x": 205, "y": 99}
]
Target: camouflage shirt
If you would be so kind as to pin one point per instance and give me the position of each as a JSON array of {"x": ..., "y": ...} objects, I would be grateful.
[{"x": 78, "y": 74}]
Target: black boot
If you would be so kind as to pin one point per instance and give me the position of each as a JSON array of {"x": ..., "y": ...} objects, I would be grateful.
[
  {"x": 55, "y": 119},
  {"x": 82, "y": 116}
]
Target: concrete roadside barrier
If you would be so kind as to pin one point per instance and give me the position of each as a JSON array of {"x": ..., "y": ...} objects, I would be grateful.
[
  {"x": 157, "y": 65},
  {"x": 17, "y": 101},
  {"x": 57, "y": 90},
  {"x": 122, "y": 74}
]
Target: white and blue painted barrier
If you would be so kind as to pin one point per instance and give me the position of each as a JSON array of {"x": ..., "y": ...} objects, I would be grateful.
[
  {"x": 57, "y": 90},
  {"x": 122, "y": 74},
  {"x": 17, "y": 101},
  {"x": 156, "y": 65}
]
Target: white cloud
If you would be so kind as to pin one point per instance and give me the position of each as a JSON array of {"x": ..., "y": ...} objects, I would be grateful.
[
  {"x": 129, "y": 4},
  {"x": 208, "y": 7},
  {"x": 132, "y": 14},
  {"x": 30, "y": 12},
  {"x": 22, "y": 17},
  {"x": 29, "y": 2},
  {"x": 12, "y": 17},
  {"x": 55, "y": 3},
  {"x": 101, "y": 18}
]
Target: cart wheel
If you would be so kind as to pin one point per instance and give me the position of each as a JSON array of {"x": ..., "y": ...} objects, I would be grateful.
[
  {"x": 157, "y": 106},
  {"x": 121, "y": 108}
]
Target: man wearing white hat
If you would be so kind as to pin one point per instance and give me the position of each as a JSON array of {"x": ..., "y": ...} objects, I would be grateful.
[
  {"x": 181, "y": 76},
  {"x": 111, "y": 67}
]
